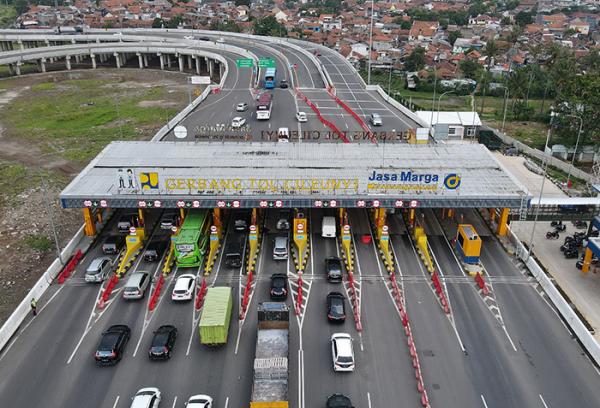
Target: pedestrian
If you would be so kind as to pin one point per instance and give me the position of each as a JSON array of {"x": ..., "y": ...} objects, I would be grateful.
[{"x": 34, "y": 306}]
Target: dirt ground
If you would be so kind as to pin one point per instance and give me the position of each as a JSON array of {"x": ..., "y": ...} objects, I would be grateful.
[{"x": 23, "y": 213}]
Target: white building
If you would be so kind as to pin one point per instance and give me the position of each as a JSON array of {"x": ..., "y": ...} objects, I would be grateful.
[{"x": 452, "y": 125}]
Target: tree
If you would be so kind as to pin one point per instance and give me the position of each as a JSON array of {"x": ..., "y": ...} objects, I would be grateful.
[
  {"x": 269, "y": 26},
  {"x": 242, "y": 3},
  {"x": 157, "y": 23},
  {"x": 477, "y": 8},
  {"x": 470, "y": 69},
  {"x": 405, "y": 25},
  {"x": 505, "y": 21},
  {"x": 22, "y": 6},
  {"x": 453, "y": 36},
  {"x": 174, "y": 22},
  {"x": 523, "y": 18},
  {"x": 416, "y": 60}
]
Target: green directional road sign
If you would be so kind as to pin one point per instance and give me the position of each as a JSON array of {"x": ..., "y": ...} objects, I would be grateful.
[
  {"x": 245, "y": 63},
  {"x": 266, "y": 63}
]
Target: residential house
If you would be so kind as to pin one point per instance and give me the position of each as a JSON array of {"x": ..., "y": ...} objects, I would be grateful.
[
  {"x": 452, "y": 125},
  {"x": 423, "y": 30}
]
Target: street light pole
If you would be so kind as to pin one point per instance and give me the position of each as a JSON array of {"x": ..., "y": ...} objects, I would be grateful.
[
  {"x": 576, "y": 145},
  {"x": 371, "y": 41},
  {"x": 439, "y": 103},
  {"x": 545, "y": 165},
  {"x": 390, "y": 79}
]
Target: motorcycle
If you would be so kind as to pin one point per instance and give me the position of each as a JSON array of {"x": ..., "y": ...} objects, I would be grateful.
[
  {"x": 580, "y": 224},
  {"x": 560, "y": 227},
  {"x": 555, "y": 223},
  {"x": 572, "y": 253},
  {"x": 552, "y": 235}
]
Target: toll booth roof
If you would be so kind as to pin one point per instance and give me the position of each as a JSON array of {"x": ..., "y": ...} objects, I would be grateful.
[{"x": 164, "y": 170}]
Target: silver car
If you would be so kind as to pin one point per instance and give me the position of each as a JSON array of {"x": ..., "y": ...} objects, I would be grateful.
[
  {"x": 98, "y": 269},
  {"x": 136, "y": 285},
  {"x": 280, "y": 249},
  {"x": 376, "y": 119}
]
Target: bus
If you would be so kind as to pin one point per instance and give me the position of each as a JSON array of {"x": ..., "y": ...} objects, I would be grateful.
[
  {"x": 270, "y": 78},
  {"x": 192, "y": 241},
  {"x": 263, "y": 106}
]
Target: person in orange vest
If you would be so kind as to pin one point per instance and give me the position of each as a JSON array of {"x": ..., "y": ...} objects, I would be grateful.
[{"x": 34, "y": 306}]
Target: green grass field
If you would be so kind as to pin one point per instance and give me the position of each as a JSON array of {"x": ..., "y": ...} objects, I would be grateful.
[{"x": 77, "y": 118}]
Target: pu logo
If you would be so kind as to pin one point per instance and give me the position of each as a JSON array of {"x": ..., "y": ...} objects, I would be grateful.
[
  {"x": 452, "y": 181},
  {"x": 149, "y": 181}
]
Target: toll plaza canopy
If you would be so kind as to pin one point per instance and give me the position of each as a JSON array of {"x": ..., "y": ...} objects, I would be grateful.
[{"x": 247, "y": 174}]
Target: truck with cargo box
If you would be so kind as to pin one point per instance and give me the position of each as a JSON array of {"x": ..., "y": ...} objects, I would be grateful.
[
  {"x": 216, "y": 316},
  {"x": 270, "y": 381}
]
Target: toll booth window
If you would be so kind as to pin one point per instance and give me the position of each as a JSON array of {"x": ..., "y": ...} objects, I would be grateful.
[{"x": 461, "y": 240}]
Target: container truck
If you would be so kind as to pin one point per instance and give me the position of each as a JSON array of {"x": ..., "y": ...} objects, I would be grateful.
[
  {"x": 216, "y": 316},
  {"x": 270, "y": 381}
]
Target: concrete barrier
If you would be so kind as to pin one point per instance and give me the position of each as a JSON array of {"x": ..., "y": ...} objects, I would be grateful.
[{"x": 565, "y": 310}]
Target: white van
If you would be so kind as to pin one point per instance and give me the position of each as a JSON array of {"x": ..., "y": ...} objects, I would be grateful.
[{"x": 328, "y": 227}]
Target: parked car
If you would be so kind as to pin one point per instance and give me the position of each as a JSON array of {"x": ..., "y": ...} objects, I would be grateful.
[
  {"x": 333, "y": 269},
  {"x": 338, "y": 401},
  {"x": 146, "y": 398},
  {"x": 278, "y": 290},
  {"x": 154, "y": 250},
  {"x": 112, "y": 344},
  {"x": 376, "y": 119},
  {"x": 113, "y": 244},
  {"x": 169, "y": 220},
  {"x": 283, "y": 84},
  {"x": 283, "y": 220},
  {"x": 234, "y": 252},
  {"x": 301, "y": 117},
  {"x": 241, "y": 107},
  {"x": 280, "y": 248},
  {"x": 98, "y": 269},
  {"x": 336, "y": 307},
  {"x": 199, "y": 401},
  {"x": 136, "y": 285},
  {"x": 184, "y": 287},
  {"x": 342, "y": 352},
  {"x": 163, "y": 343},
  {"x": 238, "y": 122}
]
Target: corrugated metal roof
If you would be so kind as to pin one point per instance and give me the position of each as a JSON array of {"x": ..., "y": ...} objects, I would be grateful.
[{"x": 215, "y": 310}]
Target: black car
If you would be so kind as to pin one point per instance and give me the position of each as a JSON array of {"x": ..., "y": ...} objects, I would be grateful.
[
  {"x": 339, "y": 401},
  {"x": 333, "y": 268},
  {"x": 279, "y": 286},
  {"x": 336, "y": 307},
  {"x": 154, "y": 250},
  {"x": 242, "y": 220},
  {"x": 163, "y": 343},
  {"x": 169, "y": 220},
  {"x": 111, "y": 347},
  {"x": 283, "y": 220},
  {"x": 113, "y": 244},
  {"x": 283, "y": 84},
  {"x": 234, "y": 252},
  {"x": 127, "y": 221}
]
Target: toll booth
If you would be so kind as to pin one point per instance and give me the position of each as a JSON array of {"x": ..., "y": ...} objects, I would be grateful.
[{"x": 468, "y": 243}]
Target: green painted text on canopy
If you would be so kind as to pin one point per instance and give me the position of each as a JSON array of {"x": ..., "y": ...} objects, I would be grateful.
[
  {"x": 266, "y": 63},
  {"x": 245, "y": 63}
]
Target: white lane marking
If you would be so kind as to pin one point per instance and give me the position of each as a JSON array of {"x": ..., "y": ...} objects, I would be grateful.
[
  {"x": 226, "y": 402},
  {"x": 237, "y": 339},
  {"x": 174, "y": 401},
  {"x": 369, "y": 398},
  {"x": 483, "y": 400},
  {"x": 116, "y": 401},
  {"x": 195, "y": 319},
  {"x": 299, "y": 379},
  {"x": 543, "y": 402}
]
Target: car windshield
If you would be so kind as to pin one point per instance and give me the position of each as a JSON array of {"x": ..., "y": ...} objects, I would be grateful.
[
  {"x": 337, "y": 305},
  {"x": 108, "y": 342},
  {"x": 160, "y": 339},
  {"x": 334, "y": 265},
  {"x": 344, "y": 359},
  {"x": 278, "y": 283},
  {"x": 145, "y": 393}
]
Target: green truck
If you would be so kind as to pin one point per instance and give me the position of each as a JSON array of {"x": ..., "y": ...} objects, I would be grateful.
[{"x": 216, "y": 315}]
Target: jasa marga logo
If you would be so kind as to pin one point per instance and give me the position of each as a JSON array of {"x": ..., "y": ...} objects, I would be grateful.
[{"x": 452, "y": 181}]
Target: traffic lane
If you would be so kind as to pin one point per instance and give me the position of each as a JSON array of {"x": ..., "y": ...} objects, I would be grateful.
[
  {"x": 443, "y": 364},
  {"x": 442, "y": 253},
  {"x": 307, "y": 74},
  {"x": 497, "y": 372},
  {"x": 566, "y": 377},
  {"x": 335, "y": 114},
  {"x": 493, "y": 252},
  {"x": 400, "y": 117},
  {"x": 383, "y": 335}
]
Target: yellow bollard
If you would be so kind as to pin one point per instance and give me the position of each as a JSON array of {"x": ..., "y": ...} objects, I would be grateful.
[
  {"x": 347, "y": 246},
  {"x": 252, "y": 247},
  {"x": 300, "y": 239},
  {"x": 384, "y": 243},
  {"x": 90, "y": 225},
  {"x": 587, "y": 259},
  {"x": 213, "y": 248},
  {"x": 503, "y": 222}
]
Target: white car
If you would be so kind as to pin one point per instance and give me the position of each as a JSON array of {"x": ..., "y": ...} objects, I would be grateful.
[
  {"x": 189, "y": 37},
  {"x": 241, "y": 107},
  {"x": 146, "y": 398},
  {"x": 238, "y": 122},
  {"x": 221, "y": 40},
  {"x": 342, "y": 352},
  {"x": 199, "y": 401},
  {"x": 283, "y": 135},
  {"x": 301, "y": 117},
  {"x": 184, "y": 287}
]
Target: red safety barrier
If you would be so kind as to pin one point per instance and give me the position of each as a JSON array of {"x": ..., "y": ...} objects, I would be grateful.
[
  {"x": 246, "y": 296},
  {"x": 109, "y": 288},
  {"x": 355, "y": 306},
  {"x": 201, "y": 293},
  {"x": 481, "y": 283},
  {"x": 70, "y": 266},
  {"x": 156, "y": 293},
  {"x": 321, "y": 118},
  {"x": 354, "y": 115}
]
